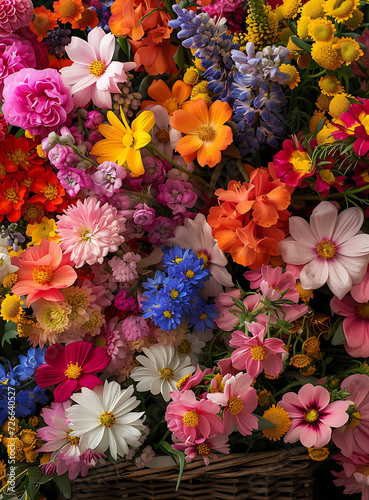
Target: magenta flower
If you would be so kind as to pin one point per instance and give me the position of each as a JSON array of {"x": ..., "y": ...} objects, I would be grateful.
[
  {"x": 204, "y": 447},
  {"x": 331, "y": 247},
  {"x": 177, "y": 195},
  {"x": 189, "y": 418},
  {"x": 354, "y": 126},
  {"x": 354, "y": 476},
  {"x": 71, "y": 367},
  {"x": 257, "y": 353},
  {"x": 36, "y": 100},
  {"x": 312, "y": 415},
  {"x": 14, "y": 14},
  {"x": 239, "y": 399},
  {"x": 196, "y": 378}
]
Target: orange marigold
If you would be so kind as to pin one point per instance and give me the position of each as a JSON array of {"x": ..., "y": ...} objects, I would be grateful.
[
  {"x": 68, "y": 11},
  {"x": 44, "y": 21}
]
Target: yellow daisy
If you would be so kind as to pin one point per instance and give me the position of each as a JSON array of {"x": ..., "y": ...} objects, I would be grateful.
[
  {"x": 294, "y": 75},
  {"x": 321, "y": 30},
  {"x": 11, "y": 308}
]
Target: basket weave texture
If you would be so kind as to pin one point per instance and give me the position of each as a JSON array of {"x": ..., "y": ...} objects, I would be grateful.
[{"x": 274, "y": 475}]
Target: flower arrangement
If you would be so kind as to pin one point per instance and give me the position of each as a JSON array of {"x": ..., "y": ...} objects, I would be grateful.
[{"x": 184, "y": 240}]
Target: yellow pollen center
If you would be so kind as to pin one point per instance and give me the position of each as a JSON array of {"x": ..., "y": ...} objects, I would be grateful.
[
  {"x": 72, "y": 439},
  {"x": 86, "y": 234},
  {"x": 18, "y": 156},
  {"x": 203, "y": 449},
  {"x": 51, "y": 192},
  {"x": 185, "y": 347},
  {"x": 162, "y": 135},
  {"x": 166, "y": 373},
  {"x": 191, "y": 418},
  {"x": 177, "y": 260},
  {"x": 326, "y": 249},
  {"x": 258, "y": 353},
  {"x": 97, "y": 68},
  {"x": 203, "y": 256},
  {"x": 171, "y": 105},
  {"x": 301, "y": 161},
  {"x": 167, "y": 314},
  {"x": 203, "y": 316},
  {"x": 190, "y": 274},
  {"x": 205, "y": 133},
  {"x": 311, "y": 415},
  {"x": 363, "y": 310},
  {"x": 235, "y": 405},
  {"x": 355, "y": 419},
  {"x": 182, "y": 381},
  {"x": 11, "y": 194},
  {"x": 42, "y": 275},
  {"x": 107, "y": 419},
  {"x": 73, "y": 371},
  {"x": 174, "y": 294}
]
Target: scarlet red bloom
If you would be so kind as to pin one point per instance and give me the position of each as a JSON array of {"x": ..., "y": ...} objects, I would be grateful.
[
  {"x": 19, "y": 154},
  {"x": 32, "y": 212},
  {"x": 11, "y": 199},
  {"x": 48, "y": 191}
]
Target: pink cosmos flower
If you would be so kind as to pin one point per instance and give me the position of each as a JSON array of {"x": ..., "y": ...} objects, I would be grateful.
[
  {"x": 239, "y": 399},
  {"x": 189, "y": 418},
  {"x": 203, "y": 447},
  {"x": 257, "y": 353},
  {"x": 71, "y": 367},
  {"x": 312, "y": 415},
  {"x": 331, "y": 247},
  {"x": 14, "y": 14},
  {"x": 355, "y": 434},
  {"x": 90, "y": 231},
  {"x": 196, "y": 378},
  {"x": 274, "y": 283},
  {"x": 356, "y": 322},
  {"x": 43, "y": 271},
  {"x": 225, "y": 305},
  {"x": 93, "y": 74},
  {"x": 354, "y": 476}
]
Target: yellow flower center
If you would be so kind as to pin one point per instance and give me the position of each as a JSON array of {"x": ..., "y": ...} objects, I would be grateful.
[
  {"x": 301, "y": 161},
  {"x": 177, "y": 260},
  {"x": 318, "y": 454},
  {"x": 11, "y": 194},
  {"x": 311, "y": 415},
  {"x": 191, "y": 418},
  {"x": 327, "y": 175},
  {"x": 73, "y": 371},
  {"x": 86, "y": 234},
  {"x": 182, "y": 381},
  {"x": 107, "y": 419},
  {"x": 42, "y": 275},
  {"x": 355, "y": 419},
  {"x": 363, "y": 310},
  {"x": 11, "y": 307},
  {"x": 167, "y": 314},
  {"x": 97, "y": 68},
  {"x": 174, "y": 294},
  {"x": 203, "y": 449},
  {"x": 166, "y": 373},
  {"x": 72, "y": 439},
  {"x": 258, "y": 353},
  {"x": 185, "y": 347},
  {"x": 330, "y": 85},
  {"x": 51, "y": 192},
  {"x": 68, "y": 8},
  {"x": 235, "y": 405},
  {"x": 203, "y": 316},
  {"x": 190, "y": 274},
  {"x": 205, "y": 133},
  {"x": 326, "y": 249},
  {"x": 203, "y": 256},
  {"x": 18, "y": 156},
  {"x": 162, "y": 135},
  {"x": 127, "y": 140},
  {"x": 171, "y": 105}
]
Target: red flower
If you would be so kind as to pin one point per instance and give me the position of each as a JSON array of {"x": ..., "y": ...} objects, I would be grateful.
[
  {"x": 19, "y": 154},
  {"x": 48, "y": 191},
  {"x": 32, "y": 212},
  {"x": 11, "y": 199}
]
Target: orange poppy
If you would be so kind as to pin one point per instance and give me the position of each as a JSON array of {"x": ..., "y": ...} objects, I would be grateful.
[
  {"x": 44, "y": 21},
  {"x": 171, "y": 100},
  {"x": 206, "y": 135},
  {"x": 68, "y": 11}
]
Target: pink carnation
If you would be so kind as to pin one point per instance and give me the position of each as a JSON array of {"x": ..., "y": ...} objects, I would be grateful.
[
  {"x": 135, "y": 328},
  {"x": 125, "y": 269},
  {"x": 113, "y": 341},
  {"x": 14, "y": 14},
  {"x": 177, "y": 195}
]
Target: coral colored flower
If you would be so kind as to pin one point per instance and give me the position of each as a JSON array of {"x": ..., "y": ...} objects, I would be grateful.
[
  {"x": 43, "y": 271},
  {"x": 14, "y": 14},
  {"x": 68, "y": 11},
  {"x": 93, "y": 75},
  {"x": 154, "y": 54},
  {"x": 122, "y": 143},
  {"x": 292, "y": 164},
  {"x": 353, "y": 123},
  {"x": 257, "y": 353},
  {"x": 239, "y": 399},
  {"x": 48, "y": 191},
  {"x": 11, "y": 199},
  {"x": 171, "y": 100},
  {"x": 206, "y": 135},
  {"x": 312, "y": 415},
  {"x": 204, "y": 447},
  {"x": 71, "y": 367},
  {"x": 331, "y": 248},
  {"x": 354, "y": 476},
  {"x": 44, "y": 20}
]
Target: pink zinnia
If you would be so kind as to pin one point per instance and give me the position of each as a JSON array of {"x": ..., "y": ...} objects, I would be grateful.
[
  {"x": 93, "y": 74},
  {"x": 189, "y": 418},
  {"x": 203, "y": 447},
  {"x": 312, "y": 415},
  {"x": 90, "y": 231},
  {"x": 43, "y": 271},
  {"x": 71, "y": 367},
  {"x": 14, "y": 14},
  {"x": 257, "y": 353},
  {"x": 331, "y": 246},
  {"x": 239, "y": 400},
  {"x": 292, "y": 164},
  {"x": 354, "y": 476}
]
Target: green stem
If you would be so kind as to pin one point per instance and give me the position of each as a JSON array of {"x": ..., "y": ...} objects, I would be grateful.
[
  {"x": 83, "y": 156},
  {"x": 333, "y": 195}
]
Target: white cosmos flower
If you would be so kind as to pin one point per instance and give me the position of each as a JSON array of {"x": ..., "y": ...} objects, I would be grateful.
[
  {"x": 192, "y": 346},
  {"x": 161, "y": 369},
  {"x": 102, "y": 419}
]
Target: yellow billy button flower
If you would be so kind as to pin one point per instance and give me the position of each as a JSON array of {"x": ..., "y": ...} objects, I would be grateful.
[
  {"x": 349, "y": 49},
  {"x": 340, "y": 10},
  {"x": 122, "y": 143},
  {"x": 294, "y": 75}
]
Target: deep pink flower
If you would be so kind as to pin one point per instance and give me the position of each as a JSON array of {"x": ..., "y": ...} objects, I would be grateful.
[
  {"x": 196, "y": 378},
  {"x": 354, "y": 125},
  {"x": 239, "y": 399},
  {"x": 312, "y": 415},
  {"x": 225, "y": 305},
  {"x": 354, "y": 476},
  {"x": 292, "y": 164},
  {"x": 178, "y": 195},
  {"x": 71, "y": 367},
  {"x": 14, "y": 14},
  {"x": 203, "y": 447},
  {"x": 275, "y": 282}
]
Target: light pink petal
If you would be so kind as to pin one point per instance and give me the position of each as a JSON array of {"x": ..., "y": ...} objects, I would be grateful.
[
  {"x": 345, "y": 307},
  {"x": 221, "y": 275},
  {"x": 360, "y": 292},
  {"x": 94, "y": 39},
  {"x": 323, "y": 220},
  {"x": 246, "y": 423},
  {"x": 63, "y": 276},
  {"x": 107, "y": 46},
  {"x": 314, "y": 274},
  {"x": 72, "y": 74},
  {"x": 357, "y": 384},
  {"x": 356, "y": 330},
  {"x": 273, "y": 365},
  {"x": 229, "y": 421},
  {"x": 85, "y": 82},
  {"x": 348, "y": 224},
  {"x": 356, "y": 246},
  {"x": 80, "y": 51},
  {"x": 81, "y": 99},
  {"x": 301, "y": 231},
  {"x": 344, "y": 439},
  {"x": 293, "y": 252},
  {"x": 317, "y": 435},
  {"x": 356, "y": 266},
  {"x": 335, "y": 414},
  {"x": 314, "y": 397},
  {"x": 339, "y": 280},
  {"x": 101, "y": 98},
  {"x": 294, "y": 432}
]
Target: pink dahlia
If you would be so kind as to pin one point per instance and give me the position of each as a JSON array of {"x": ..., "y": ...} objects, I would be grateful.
[
  {"x": 354, "y": 476},
  {"x": 93, "y": 74},
  {"x": 204, "y": 447},
  {"x": 239, "y": 399},
  {"x": 312, "y": 415},
  {"x": 71, "y": 367},
  {"x": 90, "y": 231},
  {"x": 14, "y": 14},
  {"x": 43, "y": 272},
  {"x": 331, "y": 247},
  {"x": 36, "y": 100}
]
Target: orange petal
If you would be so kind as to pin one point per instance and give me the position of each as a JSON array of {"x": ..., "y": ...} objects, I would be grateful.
[
  {"x": 199, "y": 109},
  {"x": 181, "y": 91},
  {"x": 159, "y": 91},
  {"x": 279, "y": 197},
  {"x": 209, "y": 154},
  {"x": 220, "y": 112},
  {"x": 188, "y": 145},
  {"x": 264, "y": 214},
  {"x": 223, "y": 137},
  {"x": 185, "y": 122}
]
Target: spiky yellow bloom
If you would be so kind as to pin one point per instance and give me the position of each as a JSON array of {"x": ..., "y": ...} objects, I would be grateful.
[
  {"x": 263, "y": 397},
  {"x": 318, "y": 454},
  {"x": 325, "y": 55},
  {"x": 311, "y": 346},
  {"x": 10, "y": 280},
  {"x": 262, "y": 25},
  {"x": 329, "y": 85},
  {"x": 307, "y": 295},
  {"x": 313, "y": 9},
  {"x": 323, "y": 102},
  {"x": 200, "y": 88},
  {"x": 354, "y": 22},
  {"x": 45, "y": 230},
  {"x": 11, "y": 308},
  {"x": 302, "y": 27},
  {"x": 309, "y": 370},
  {"x": 280, "y": 418},
  {"x": 294, "y": 75},
  {"x": 349, "y": 49},
  {"x": 300, "y": 361},
  {"x": 290, "y": 8},
  {"x": 338, "y": 105},
  {"x": 206, "y": 97},
  {"x": 340, "y": 10},
  {"x": 321, "y": 30}
]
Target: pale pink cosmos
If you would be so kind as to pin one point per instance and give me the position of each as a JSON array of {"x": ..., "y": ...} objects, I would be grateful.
[
  {"x": 43, "y": 272},
  {"x": 354, "y": 436},
  {"x": 312, "y": 415},
  {"x": 354, "y": 476},
  {"x": 257, "y": 353},
  {"x": 225, "y": 305},
  {"x": 239, "y": 399},
  {"x": 189, "y": 418},
  {"x": 203, "y": 447},
  {"x": 164, "y": 136},
  {"x": 93, "y": 74},
  {"x": 331, "y": 247}
]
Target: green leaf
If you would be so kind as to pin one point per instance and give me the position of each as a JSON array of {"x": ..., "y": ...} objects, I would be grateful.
[
  {"x": 123, "y": 42},
  {"x": 179, "y": 58},
  {"x": 63, "y": 483},
  {"x": 8, "y": 335},
  {"x": 263, "y": 423},
  {"x": 34, "y": 474},
  {"x": 171, "y": 451},
  {"x": 301, "y": 44},
  {"x": 339, "y": 336}
]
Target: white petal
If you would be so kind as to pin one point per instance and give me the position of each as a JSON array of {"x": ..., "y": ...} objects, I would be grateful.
[
  {"x": 293, "y": 252},
  {"x": 314, "y": 274},
  {"x": 339, "y": 280},
  {"x": 348, "y": 224},
  {"x": 301, "y": 231},
  {"x": 323, "y": 220},
  {"x": 356, "y": 246},
  {"x": 80, "y": 51},
  {"x": 107, "y": 46}
]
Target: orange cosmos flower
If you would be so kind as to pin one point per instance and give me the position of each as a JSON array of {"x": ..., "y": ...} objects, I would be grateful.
[
  {"x": 68, "y": 11},
  {"x": 171, "y": 100},
  {"x": 89, "y": 19},
  {"x": 206, "y": 135},
  {"x": 44, "y": 21}
]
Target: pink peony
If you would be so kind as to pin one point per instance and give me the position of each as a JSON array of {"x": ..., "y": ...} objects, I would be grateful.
[
  {"x": 14, "y": 14},
  {"x": 331, "y": 247},
  {"x": 90, "y": 231},
  {"x": 354, "y": 476},
  {"x": 204, "y": 447},
  {"x": 312, "y": 415}
]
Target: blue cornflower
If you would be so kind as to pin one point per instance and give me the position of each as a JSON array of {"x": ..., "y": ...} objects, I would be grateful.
[
  {"x": 166, "y": 314},
  {"x": 202, "y": 315},
  {"x": 25, "y": 401},
  {"x": 154, "y": 285},
  {"x": 29, "y": 363},
  {"x": 178, "y": 290},
  {"x": 173, "y": 256},
  {"x": 192, "y": 270}
]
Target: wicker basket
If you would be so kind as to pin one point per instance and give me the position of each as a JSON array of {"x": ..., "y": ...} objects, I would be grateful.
[{"x": 278, "y": 475}]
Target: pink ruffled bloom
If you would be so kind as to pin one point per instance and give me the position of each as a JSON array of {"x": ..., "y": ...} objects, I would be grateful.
[
  {"x": 89, "y": 231},
  {"x": 225, "y": 305},
  {"x": 312, "y": 415},
  {"x": 203, "y": 447},
  {"x": 356, "y": 322},
  {"x": 71, "y": 367},
  {"x": 14, "y": 14},
  {"x": 36, "y": 100},
  {"x": 354, "y": 476},
  {"x": 93, "y": 74},
  {"x": 331, "y": 247},
  {"x": 189, "y": 418},
  {"x": 134, "y": 327},
  {"x": 43, "y": 271},
  {"x": 257, "y": 353},
  {"x": 355, "y": 434},
  {"x": 125, "y": 269},
  {"x": 115, "y": 344},
  {"x": 239, "y": 399}
]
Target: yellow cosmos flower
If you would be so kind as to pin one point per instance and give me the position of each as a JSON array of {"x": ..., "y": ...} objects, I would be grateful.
[
  {"x": 122, "y": 143},
  {"x": 45, "y": 230}
]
